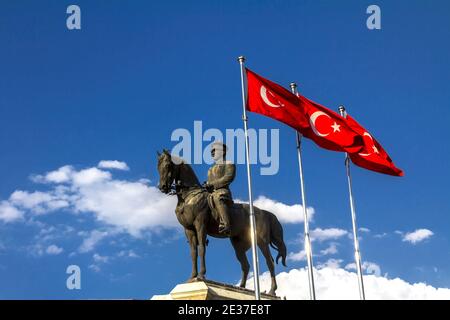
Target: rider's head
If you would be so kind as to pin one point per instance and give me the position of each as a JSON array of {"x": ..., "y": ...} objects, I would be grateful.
[{"x": 218, "y": 150}]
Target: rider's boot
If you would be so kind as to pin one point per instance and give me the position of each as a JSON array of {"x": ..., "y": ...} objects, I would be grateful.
[{"x": 224, "y": 213}]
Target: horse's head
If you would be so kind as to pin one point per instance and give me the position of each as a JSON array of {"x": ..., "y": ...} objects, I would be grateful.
[
  {"x": 171, "y": 168},
  {"x": 166, "y": 169}
]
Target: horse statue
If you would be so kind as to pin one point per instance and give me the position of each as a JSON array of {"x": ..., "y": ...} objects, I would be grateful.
[{"x": 197, "y": 218}]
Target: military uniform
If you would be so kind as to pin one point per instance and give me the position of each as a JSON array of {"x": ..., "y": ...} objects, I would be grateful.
[{"x": 220, "y": 176}]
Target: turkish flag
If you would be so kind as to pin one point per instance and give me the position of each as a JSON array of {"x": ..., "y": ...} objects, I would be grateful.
[
  {"x": 372, "y": 156},
  {"x": 325, "y": 127},
  {"x": 328, "y": 129},
  {"x": 272, "y": 100}
]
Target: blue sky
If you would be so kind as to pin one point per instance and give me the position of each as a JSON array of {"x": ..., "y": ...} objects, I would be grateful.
[{"x": 136, "y": 71}]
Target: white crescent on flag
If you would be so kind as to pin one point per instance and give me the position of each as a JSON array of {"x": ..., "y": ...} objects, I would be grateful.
[
  {"x": 374, "y": 148},
  {"x": 312, "y": 121},
  {"x": 263, "y": 93}
]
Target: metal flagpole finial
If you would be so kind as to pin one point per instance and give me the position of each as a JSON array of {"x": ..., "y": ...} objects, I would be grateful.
[
  {"x": 342, "y": 110},
  {"x": 293, "y": 86},
  {"x": 241, "y": 59}
]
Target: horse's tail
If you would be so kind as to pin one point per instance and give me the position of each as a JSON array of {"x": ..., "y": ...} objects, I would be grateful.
[{"x": 276, "y": 238}]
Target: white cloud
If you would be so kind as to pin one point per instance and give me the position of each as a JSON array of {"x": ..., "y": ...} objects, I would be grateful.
[
  {"x": 90, "y": 176},
  {"x": 54, "y": 250},
  {"x": 366, "y": 230},
  {"x": 417, "y": 236},
  {"x": 380, "y": 235},
  {"x": 36, "y": 250},
  {"x": 331, "y": 249},
  {"x": 320, "y": 235},
  {"x": 100, "y": 259},
  {"x": 61, "y": 175},
  {"x": 9, "y": 213},
  {"x": 40, "y": 249},
  {"x": 285, "y": 213},
  {"x": 38, "y": 202},
  {"x": 92, "y": 240},
  {"x": 128, "y": 254},
  {"x": 368, "y": 267},
  {"x": 340, "y": 284},
  {"x": 29, "y": 200},
  {"x": 371, "y": 268},
  {"x": 113, "y": 164},
  {"x": 330, "y": 263},
  {"x": 43, "y": 242},
  {"x": 298, "y": 256},
  {"x": 327, "y": 234},
  {"x": 94, "y": 267},
  {"x": 131, "y": 206}
]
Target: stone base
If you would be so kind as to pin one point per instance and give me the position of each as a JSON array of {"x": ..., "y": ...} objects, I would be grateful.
[{"x": 210, "y": 290}]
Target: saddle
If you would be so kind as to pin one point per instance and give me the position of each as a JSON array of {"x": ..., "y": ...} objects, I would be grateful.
[{"x": 210, "y": 202}]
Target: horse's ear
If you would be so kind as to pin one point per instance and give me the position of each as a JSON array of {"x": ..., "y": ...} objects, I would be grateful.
[{"x": 166, "y": 151}]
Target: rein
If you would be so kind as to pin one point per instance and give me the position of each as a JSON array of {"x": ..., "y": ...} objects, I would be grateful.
[{"x": 181, "y": 188}]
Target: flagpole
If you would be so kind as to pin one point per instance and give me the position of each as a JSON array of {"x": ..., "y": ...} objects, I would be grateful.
[
  {"x": 308, "y": 250},
  {"x": 241, "y": 60},
  {"x": 355, "y": 230}
]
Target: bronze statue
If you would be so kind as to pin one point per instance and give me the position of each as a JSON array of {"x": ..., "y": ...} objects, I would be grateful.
[
  {"x": 220, "y": 177},
  {"x": 195, "y": 215}
]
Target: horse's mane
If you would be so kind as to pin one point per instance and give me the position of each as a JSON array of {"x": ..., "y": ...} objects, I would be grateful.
[{"x": 178, "y": 161}]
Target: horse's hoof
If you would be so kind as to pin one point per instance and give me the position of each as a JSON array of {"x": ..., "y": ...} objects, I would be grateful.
[
  {"x": 193, "y": 279},
  {"x": 271, "y": 292}
]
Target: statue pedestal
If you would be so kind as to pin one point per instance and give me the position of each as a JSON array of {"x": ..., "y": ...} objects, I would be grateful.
[{"x": 210, "y": 290}]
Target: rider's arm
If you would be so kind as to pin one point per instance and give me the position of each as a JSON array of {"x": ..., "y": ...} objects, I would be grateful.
[{"x": 226, "y": 179}]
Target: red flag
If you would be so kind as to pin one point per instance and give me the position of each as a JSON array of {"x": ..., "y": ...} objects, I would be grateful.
[
  {"x": 328, "y": 129},
  {"x": 272, "y": 100},
  {"x": 325, "y": 127},
  {"x": 372, "y": 156}
]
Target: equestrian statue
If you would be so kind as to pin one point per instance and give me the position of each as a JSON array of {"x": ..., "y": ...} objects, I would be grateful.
[{"x": 208, "y": 209}]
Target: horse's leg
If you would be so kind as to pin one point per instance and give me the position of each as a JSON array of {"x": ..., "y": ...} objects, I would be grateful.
[
  {"x": 192, "y": 237},
  {"x": 201, "y": 236},
  {"x": 264, "y": 247},
  {"x": 240, "y": 248}
]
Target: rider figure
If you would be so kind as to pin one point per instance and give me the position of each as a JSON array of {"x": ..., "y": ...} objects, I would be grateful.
[{"x": 220, "y": 176}]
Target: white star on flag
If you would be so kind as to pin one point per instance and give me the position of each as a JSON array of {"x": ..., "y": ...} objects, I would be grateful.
[{"x": 335, "y": 127}]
